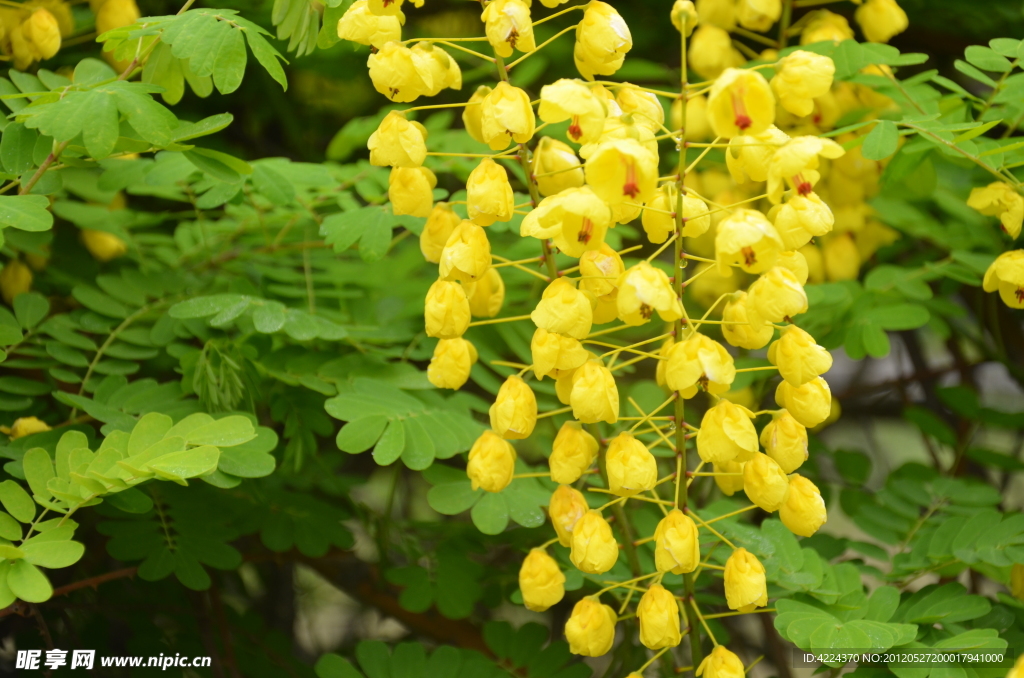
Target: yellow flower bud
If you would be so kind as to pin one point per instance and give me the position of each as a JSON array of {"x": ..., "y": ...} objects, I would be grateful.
[
  {"x": 573, "y": 452},
  {"x": 563, "y": 385},
  {"x": 572, "y": 100},
  {"x": 776, "y": 296},
  {"x": 835, "y": 411},
  {"x": 747, "y": 239},
  {"x": 489, "y": 195},
  {"x": 824, "y": 25},
  {"x": 740, "y": 103},
  {"x": 506, "y": 116},
  {"x": 758, "y": 15},
  {"x": 15, "y": 279},
  {"x": 393, "y": 73},
  {"x": 451, "y": 363},
  {"x": 658, "y": 613},
  {"x": 796, "y": 263},
  {"x": 801, "y": 218},
  {"x": 622, "y": 170},
  {"x": 446, "y": 310},
  {"x": 764, "y": 482},
  {"x": 566, "y": 507},
  {"x": 719, "y": 13},
  {"x": 103, "y": 246},
  {"x": 810, "y": 404},
  {"x": 602, "y": 40},
  {"x": 711, "y": 52},
  {"x": 644, "y": 289},
  {"x": 594, "y": 396},
  {"x": 748, "y": 156},
  {"x": 1016, "y": 581},
  {"x": 591, "y": 628},
  {"x": 411, "y": 190},
  {"x": 440, "y": 224},
  {"x": 508, "y": 26},
  {"x": 594, "y": 549},
  {"x": 881, "y": 20},
  {"x": 1018, "y": 669},
  {"x": 619, "y": 128},
  {"x": 555, "y": 159},
  {"x": 472, "y": 114},
  {"x": 804, "y": 510},
  {"x": 576, "y": 219},
  {"x": 698, "y": 127},
  {"x": 541, "y": 581},
  {"x": 361, "y": 25},
  {"x": 795, "y": 163},
  {"x": 729, "y": 484},
  {"x": 555, "y": 352},
  {"x": 644, "y": 107},
  {"x": 658, "y": 226},
  {"x": 514, "y": 412},
  {"x": 699, "y": 360},
  {"x": 999, "y": 199},
  {"x": 841, "y": 258},
  {"x": 745, "y": 586},
  {"x": 800, "y": 78},
  {"x": 740, "y": 331},
  {"x": 630, "y": 465},
  {"x": 798, "y": 357},
  {"x": 721, "y": 663},
  {"x": 677, "y": 544},
  {"x": 43, "y": 32},
  {"x": 727, "y": 434},
  {"x": 600, "y": 270},
  {"x": 26, "y": 426},
  {"x": 467, "y": 253},
  {"x": 113, "y": 14},
  {"x": 397, "y": 142},
  {"x": 563, "y": 309},
  {"x": 435, "y": 68},
  {"x": 815, "y": 264},
  {"x": 486, "y": 295},
  {"x": 684, "y": 17},
  {"x": 389, "y": 7},
  {"x": 492, "y": 462},
  {"x": 785, "y": 440},
  {"x": 1006, "y": 274}
]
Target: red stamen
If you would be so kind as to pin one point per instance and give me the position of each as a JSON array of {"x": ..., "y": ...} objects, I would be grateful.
[
  {"x": 630, "y": 188},
  {"x": 803, "y": 187},
  {"x": 1020, "y": 295},
  {"x": 586, "y": 232},
  {"x": 749, "y": 256},
  {"x": 574, "y": 129},
  {"x": 743, "y": 120}
]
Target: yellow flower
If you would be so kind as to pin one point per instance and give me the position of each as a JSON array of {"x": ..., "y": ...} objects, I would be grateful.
[
  {"x": 411, "y": 190},
  {"x": 785, "y": 440},
  {"x": 15, "y": 279},
  {"x": 594, "y": 396},
  {"x": 804, "y": 510},
  {"x": 740, "y": 331},
  {"x": 758, "y": 15},
  {"x": 492, "y": 462},
  {"x": 699, "y": 360},
  {"x": 677, "y": 544},
  {"x": 764, "y": 482},
  {"x": 26, "y": 426},
  {"x": 435, "y": 68},
  {"x": 486, "y": 295},
  {"x": 451, "y": 363},
  {"x": 489, "y": 196},
  {"x": 698, "y": 127},
  {"x": 631, "y": 467},
  {"x": 359, "y": 24},
  {"x": 745, "y": 586},
  {"x": 801, "y": 218},
  {"x": 600, "y": 270},
  {"x": 798, "y": 357},
  {"x": 815, "y": 264},
  {"x": 1016, "y": 579},
  {"x": 541, "y": 581},
  {"x": 1018, "y": 669},
  {"x": 113, "y": 14},
  {"x": 602, "y": 40},
  {"x": 397, "y": 142},
  {"x": 506, "y": 116},
  {"x": 467, "y": 253},
  {"x": 472, "y": 114},
  {"x": 644, "y": 289},
  {"x": 514, "y": 412},
  {"x": 823, "y": 25},
  {"x": 508, "y": 26},
  {"x": 576, "y": 219},
  {"x": 563, "y": 309},
  {"x": 809, "y": 404},
  {"x": 730, "y": 484},
  {"x": 658, "y": 226},
  {"x": 748, "y": 156},
  {"x": 841, "y": 258},
  {"x": 720, "y": 13},
  {"x": 795, "y": 164},
  {"x": 740, "y": 103},
  {"x": 103, "y": 246},
  {"x": 711, "y": 52},
  {"x": 881, "y": 20},
  {"x": 594, "y": 549},
  {"x": 438, "y": 228},
  {"x": 658, "y": 613},
  {"x": 800, "y": 78},
  {"x": 389, "y": 7},
  {"x": 1006, "y": 274},
  {"x": 644, "y": 107},
  {"x": 999, "y": 199},
  {"x": 684, "y": 17},
  {"x": 557, "y": 160},
  {"x": 573, "y": 452},
  {"x": 566, "y": 507},
  {"x": 446, "y": 310},
  {"x": 747, "y": 239},
  {"x": 42, "y": 31},
  {"x": 393, "y": 73},
  {"x": 622, "y": 170},
  {"x": 727, "y": 434},
  {"x": 776, "y": 296},
  {"x": 555, "y": 352},
  {"x": 591, "y": 628},
  {"x": 572, "y": 100},
  {"x": 705, "y": 287},
  {"x": 721, "y": 663}
]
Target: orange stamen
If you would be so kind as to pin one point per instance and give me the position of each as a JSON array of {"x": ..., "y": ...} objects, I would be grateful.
[
  {"x": 575, "y": 131},
  {"x": 586, "y": 231},
  {"x": 743, "y": 120},
  {"x": 630, "y": 188},
  {"x": 749, "y": 256}
]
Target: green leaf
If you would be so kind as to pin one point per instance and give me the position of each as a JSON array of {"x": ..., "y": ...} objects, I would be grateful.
[
  {"x": 490, "y": 514},
  {"x": 201, "y": 307},
  {"x": 38, "y": 470},
  {"x": 987, "y": 59},
  {"x": 10, "y": 529},
  {"x": 30, "y": 308},
  {"x": 17, "y": 501},
  {"x": 360, "y": 435},
  {"x": 99, "y": 302},
  {"x": 881, "y": 141},
  {"x": 26, "y": 212},
  {"x": 210, "y": 125},
  {"x": 391, "y": 444},
  {"x": 53, "y": 554},
  {"x": 28, "y": 583},
  {"x": 224, "y": 432},
  {"x": 273, "y": 185},
  {"x": 188, "y": 464},
  {"x": 453, "y": 498},
  {"x": 16, "y": 148},
  {"x": 333, "y": 666},
  {"x": 972, "y": 72},
  {"x": 899, "y": 316},
  {"x": 418, "y": 452}
]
